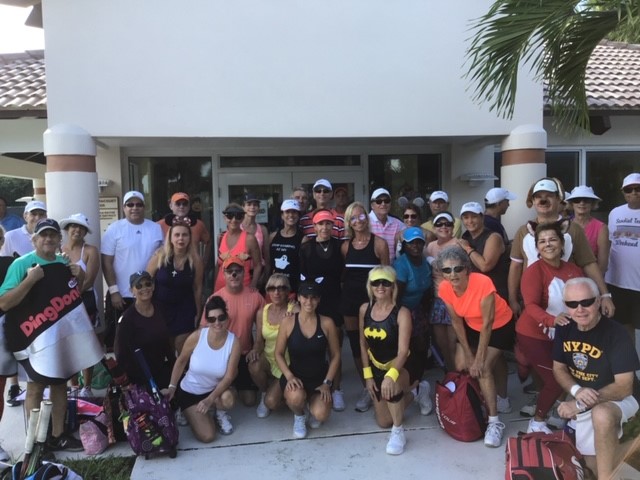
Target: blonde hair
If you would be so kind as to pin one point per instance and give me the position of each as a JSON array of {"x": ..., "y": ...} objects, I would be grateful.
[
  {"x": 278, "y": 276},
  {"x": 386, "y": 271},
  {"x": 166, "y": 253},
  {"x": 348, "y": 213}
]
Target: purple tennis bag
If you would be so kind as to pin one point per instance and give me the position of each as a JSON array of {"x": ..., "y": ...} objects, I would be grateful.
[{"x": 149, "y": 422}]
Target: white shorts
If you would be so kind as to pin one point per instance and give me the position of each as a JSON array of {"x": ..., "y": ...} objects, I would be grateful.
[{"x": 584, "y": 426}]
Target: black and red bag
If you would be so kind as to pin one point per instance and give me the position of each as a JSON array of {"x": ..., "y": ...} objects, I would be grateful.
[
  {"x": 460, "y": 407},
  {"x": 543, "y": 456}
]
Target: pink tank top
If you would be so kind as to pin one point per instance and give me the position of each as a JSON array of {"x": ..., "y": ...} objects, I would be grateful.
[{"x": 592, "y": 230}]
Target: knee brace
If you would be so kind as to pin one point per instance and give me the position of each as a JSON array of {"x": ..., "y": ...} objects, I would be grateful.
[{"x": 354, "y": 342}]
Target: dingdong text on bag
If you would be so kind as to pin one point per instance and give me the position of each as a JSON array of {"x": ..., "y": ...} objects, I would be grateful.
[
  {"x": 460, "y": 407},
  {"x": 542, "y": 456}
]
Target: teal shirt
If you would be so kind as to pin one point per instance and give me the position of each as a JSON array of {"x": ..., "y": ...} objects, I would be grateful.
[{"x": 18, "y": 269}]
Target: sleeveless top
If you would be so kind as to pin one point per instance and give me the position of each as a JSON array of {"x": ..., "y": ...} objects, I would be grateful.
[
  {"x": 358, "y": 263},
  {"x": 239, "y": 250},
  {"x": 174, "y": 291},
  {"x": 259, "y": 238},
  {"x": 89, "y": 296},
  {"x": 500, "y": 272},
  {"x": 316, "y": 263},
  {"x": 592, "y": 230},
  {"x": 207, "y": 366},
  {"x": 270, "y": 334},
  {"x": 382, "y": 336},
  {"x": 285, "y": 256},
  {"x": 308, "y": 355}
]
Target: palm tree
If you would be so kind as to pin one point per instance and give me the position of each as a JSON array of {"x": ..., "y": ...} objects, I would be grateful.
[{"x": 554, "y": 39}]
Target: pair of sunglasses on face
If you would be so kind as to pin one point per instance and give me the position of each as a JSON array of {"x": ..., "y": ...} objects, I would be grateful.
[
  {"x": 381, "y": 282},
  {"x": 220, "y": 318},
  {"x": 444, "y": 224},
  {"x": 231, "y": 215},
  {"x": 456, "y": 269},
  {"x": 380, "y": 201},
  {"x": 279, "y": 288},
  {"x": 587, "y": 302}
]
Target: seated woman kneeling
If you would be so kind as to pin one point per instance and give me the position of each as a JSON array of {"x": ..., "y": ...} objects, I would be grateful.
[{"x": 213, "y": 353}]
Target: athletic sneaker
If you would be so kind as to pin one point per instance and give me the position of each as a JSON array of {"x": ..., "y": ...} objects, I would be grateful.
[
  {"x": 503, "y": 404},
  {"x": 181, "y": 420},
  {"x": 314, "y": 422},
  {"x": 397, "y": 441},
  {"x": 262, "y": 410},
  {"x": 299, "y": 426},
  {"x": 364, "y": 401},
  {"x": 537, "y": 427},
  {"x": 12, "y": 394},
  {"x": 493, "y": 435},
  {"x": 64, "y": 442},
  {"x": 85, "y": 392},
  {"x": 224, "y": 422},
  {"x": 529, "y": 410},
  {"x": 338, "y": 400},
  {"x": 4, "y": 456},
  {"x": 554, "y": 420},
  {"x": 424, "y": 398}
]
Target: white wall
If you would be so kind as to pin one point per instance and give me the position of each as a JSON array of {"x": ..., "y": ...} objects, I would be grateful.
[
  {"x": 624, "y": 132},
  {"x": 254, "y": 68}
]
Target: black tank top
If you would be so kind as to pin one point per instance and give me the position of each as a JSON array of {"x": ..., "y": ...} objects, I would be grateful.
[
  {"x": 382, "y": 337},
  {"x": 285, "y": 257},
  {"x": 358, "y": 263},
  {"x": 308, "y": 356},
  {"x": 500, "y": 272}
]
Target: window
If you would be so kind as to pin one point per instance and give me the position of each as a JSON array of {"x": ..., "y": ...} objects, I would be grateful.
[
  {"x": 605, "y": 172},
  {"x": 564, "y": 167}
]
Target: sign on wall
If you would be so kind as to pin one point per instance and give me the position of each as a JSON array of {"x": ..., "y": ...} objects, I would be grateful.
[{"x": 109, "y": 211}]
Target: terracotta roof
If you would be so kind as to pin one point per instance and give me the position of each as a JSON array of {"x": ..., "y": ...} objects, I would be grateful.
[{"x": 23, "y": 82}]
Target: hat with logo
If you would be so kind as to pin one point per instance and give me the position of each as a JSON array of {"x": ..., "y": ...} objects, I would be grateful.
[
  {"x": 497, "y": 194},
  {"x": 323, "y": 182},
  {"x": 446, "y": 215},
  {"x": 582, "y": 191},
  {"x": 412, "y": 233},
  {"x": 35, "y": 205},
  {"x": 439, "y": 195},
  {"x": 75, "y": 219},
  {"x": 379, "y": 192},
  {"x": 473, "y": 207},
  {"x": 308, "y": 288},
  {"x": 545, "y": 185},
  {"x": 132, "y": 194},
  {"x": 290, "y": 204},
  {"x": 631, "y": 179},
  {"x": 46, "y": 224},
  {"x": 232, "y": 261},
  {"x": 176, "y": 197},
  {"x": 250, "y": 197},
  {"x": 137, "y": 277}
]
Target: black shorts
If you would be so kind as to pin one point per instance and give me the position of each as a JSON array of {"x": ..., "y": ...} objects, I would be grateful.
[
  {"x": 502, "y": 338},
  {"x": 185, "y": 400},
  {"x": 626, "y": 302},
  {"x": 378, "y": 376},
  {"x": 243, "y": 380},
  {"x": 309, "y": 383},
  {"x": 352, "y": 299}
]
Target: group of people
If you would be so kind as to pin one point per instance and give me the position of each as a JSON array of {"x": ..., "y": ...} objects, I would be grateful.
[{"x": 337, "y": 270}]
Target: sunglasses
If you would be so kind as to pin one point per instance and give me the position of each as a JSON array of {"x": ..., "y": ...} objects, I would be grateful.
[
  {"x": 587, "y": 302},
  {"x": 380, "y": 201},
  {"x": 321, "y": 190},
  {"x": 631, "y": 189},
  {"x": 580, "y": 200},
  {"x": 384, "y": 283},
  {"x": 359, "y": 218},
  {"x": 134, "y": 205},
  {"x": 182, "y": 203},
  {"x": 142, "y": 285},
  {"x": 220, "y": 318},
  {"x": 409, "y": 215},
  {"x": 456, "y": 269},
  {"x": 231, "y": 216},
  {"x": 234, "y": 272},
  {"x": 444, "y": 224},
  {"x": 279, "y": 288}
]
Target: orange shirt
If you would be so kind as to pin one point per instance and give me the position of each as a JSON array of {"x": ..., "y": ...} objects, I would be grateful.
[{"x": 199, "y": 232}]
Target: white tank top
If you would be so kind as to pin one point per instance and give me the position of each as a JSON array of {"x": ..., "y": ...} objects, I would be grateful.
[{"x": 206, "y": 365}]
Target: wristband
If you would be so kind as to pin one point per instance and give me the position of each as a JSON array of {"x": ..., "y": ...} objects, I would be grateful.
[
  {"x": 471, "y": 251},
  {"x": 605, "y": 295},
  {"x": 367, "y": 373},
  {"x": 393, "y": 374},
  {"x": 171, "y": 385},
  {"x": 114, "y": 289},
  {"x": 574, "y": 390}
]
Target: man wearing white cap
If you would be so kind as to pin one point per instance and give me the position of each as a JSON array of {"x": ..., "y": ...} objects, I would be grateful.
[
  {"x": 18, "y": 242},
  {"x": 546, "y": 196},
  {"x": 496, "y": 203},
  {"x": 381, "y": 223},
  {"x": 438, "y": 203},
  {"x": 127, "y": 246},
  {"x": 623, "y": 274},
  {"x": 322, "y": 195}
]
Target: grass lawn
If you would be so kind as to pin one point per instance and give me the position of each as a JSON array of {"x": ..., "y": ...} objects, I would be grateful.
[{"x": 104, "y": 468}]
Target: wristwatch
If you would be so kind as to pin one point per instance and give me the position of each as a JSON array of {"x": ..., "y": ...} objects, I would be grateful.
[{"x": 328, "y": 383}]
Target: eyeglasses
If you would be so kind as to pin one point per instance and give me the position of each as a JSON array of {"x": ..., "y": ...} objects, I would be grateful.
[
  {"x": 231, "y": 216},
  {"x": 134, "y": 205},
  {"x": 142, "y": 285},
  {"x": 587, "y": 302},
  {"x": 580, "y": 200},
  {"x": 631, "y": 189},
  {"x": 444, "y": 224},
  {"x": 220, "y": 318},
  {"x": 234, "y": 272},
  {"x": 409, "y": 215},
  {"x": 279, "y": 288},
  {"x": 381, "y": 282},
  {"x": 358, "y": 218},
  {"x": 380, "y": 201},
  {"x": 456, "y": 269},
  {"x": 182, "y": 203},
  {"x": 321, "y": 190}
]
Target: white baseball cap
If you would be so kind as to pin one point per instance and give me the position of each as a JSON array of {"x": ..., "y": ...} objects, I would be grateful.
[
  {"x": 473, "y": 207},
  {"x": 290, "y": 204},
  {"x": 378, "y": 192},
  {"x": 631, "y": 179},
  {"x": 35, "y": 205},
  {"x": 132, "y": 194},
  {"x": 497, "y": 194},
  {"x": 323, "y": 182},
  {"x": 439, "y": 195},
  {"x": 545, "y": 185}
]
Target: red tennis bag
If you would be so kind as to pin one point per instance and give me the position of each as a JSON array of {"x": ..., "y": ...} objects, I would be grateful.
[
  {"x": 543, "y": 456},
  {"x": 460, "y": 407}
]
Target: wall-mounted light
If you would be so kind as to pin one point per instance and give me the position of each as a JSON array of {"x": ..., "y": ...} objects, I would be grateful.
[
  {"x": 103, "y": 183},
  {"x": 475, "y": 179}
]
